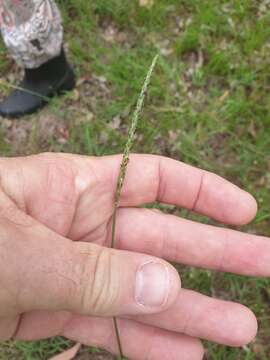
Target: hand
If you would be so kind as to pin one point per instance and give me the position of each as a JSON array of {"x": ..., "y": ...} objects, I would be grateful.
[{"x": 55, "y": 221}]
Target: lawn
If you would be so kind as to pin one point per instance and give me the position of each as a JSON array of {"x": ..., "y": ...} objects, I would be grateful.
[{"x": 208, "y": 105}]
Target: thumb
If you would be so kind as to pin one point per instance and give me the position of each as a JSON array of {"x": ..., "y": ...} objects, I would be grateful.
[
  {"x": 42, "y": 270},
  {"x": 115, "y": 282}
]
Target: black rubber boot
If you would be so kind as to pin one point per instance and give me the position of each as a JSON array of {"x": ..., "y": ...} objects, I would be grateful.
[{"x": 38, "y": 86}]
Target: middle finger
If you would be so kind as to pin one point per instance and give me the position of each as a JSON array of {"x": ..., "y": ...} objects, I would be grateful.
[{"x": 192, "y": 243}]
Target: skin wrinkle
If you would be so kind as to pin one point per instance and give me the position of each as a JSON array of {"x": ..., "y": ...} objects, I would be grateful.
[
  {"x": 54, "y": 272},
  {"x": 25, "y": 205},
  {"x": 94, "y": 229},
  {"x": 175, "y": 246},
  {"x": 69, "y": 198},
  {"x": 110, "y": 290},
  {"x": 113, "y": 289},
  {"x": 76, "y": 205},
  {"x": 80, "y": 283},
  {"x": 3, "y": 182},
  {"x": 74, "y": 214},
  {"x": 220, "y": 267},
  {"x": 5, "y": 204},
  {"x": 105, "y": 192},
  {"x": 55, "y": 171},
  {"x": 98, "y": 287},
  {"x": 22, "y": 204},
  {"x": 198, "y": 195},
  {"x": 94, "y": 239},
  {"x": 74, "y": 283},
  {"x": 92, "y": 174},
  {"x": 18, "y": 306},
  {"x": 84, "y": 277},
  {"x": 164, "y": 237},
  {"x": 160, "y": 184},
  {"x": 17, "y": 328},
  {"x": 72, "y": 218},
  {"x": 103, "y": 291},
  {"x": 94, "y": 182},
  {"x": 14, "y": 216}
]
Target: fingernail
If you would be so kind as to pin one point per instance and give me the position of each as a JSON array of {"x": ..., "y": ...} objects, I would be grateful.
[{"x": 152, "y": 284}]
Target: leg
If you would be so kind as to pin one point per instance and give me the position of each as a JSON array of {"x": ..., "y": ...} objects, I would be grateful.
[
  {"x": 33, "y": 34},
  {"x": 32, "y": 31}
]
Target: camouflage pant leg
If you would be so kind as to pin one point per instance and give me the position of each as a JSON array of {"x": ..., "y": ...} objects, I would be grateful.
[{"x": 32, "y": 30}]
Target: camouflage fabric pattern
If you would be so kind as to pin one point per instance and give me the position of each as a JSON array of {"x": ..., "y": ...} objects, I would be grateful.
[{"x": 32, "y": 30}]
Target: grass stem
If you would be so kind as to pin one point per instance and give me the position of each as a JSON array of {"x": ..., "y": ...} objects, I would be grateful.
[{"x": 122, "y": 174}]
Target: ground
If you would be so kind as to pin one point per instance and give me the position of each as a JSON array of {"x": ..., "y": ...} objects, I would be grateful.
[{"x": 208, "y": 105}]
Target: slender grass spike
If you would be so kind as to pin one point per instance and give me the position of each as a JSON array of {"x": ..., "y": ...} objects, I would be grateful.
[{"x": 122, "y": 173}]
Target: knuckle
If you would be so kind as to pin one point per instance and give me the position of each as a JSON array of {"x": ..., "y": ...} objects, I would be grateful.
[
  {"x": 161, "y": 184},
  {"x": 99, "y": 283}
]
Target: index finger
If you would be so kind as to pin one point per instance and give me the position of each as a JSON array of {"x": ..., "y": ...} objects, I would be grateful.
[{"x": 154, "y": 178}]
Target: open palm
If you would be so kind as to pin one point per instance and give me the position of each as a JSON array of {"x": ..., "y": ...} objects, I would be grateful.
[{"x": 73, "y": 197}]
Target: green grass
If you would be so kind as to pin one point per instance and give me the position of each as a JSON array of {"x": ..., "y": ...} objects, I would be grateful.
[
  {"x": 32, "y": 351},
  {"x": 208, "y": 105}
]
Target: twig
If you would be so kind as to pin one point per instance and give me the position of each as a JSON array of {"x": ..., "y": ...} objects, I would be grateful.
[{"x": 17, "y": 87}]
